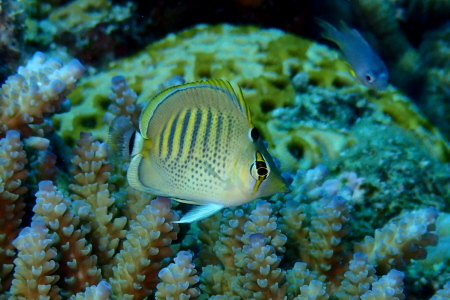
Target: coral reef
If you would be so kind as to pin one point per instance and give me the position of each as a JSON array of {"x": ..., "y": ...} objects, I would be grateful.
[
  {"x": 246, "y": 247},
  {"x": 346, "y": 231},
  {"x": 101, "y": 31},
  {"x": 94, "y": 32},
  {"x": 251, "y": 64}
]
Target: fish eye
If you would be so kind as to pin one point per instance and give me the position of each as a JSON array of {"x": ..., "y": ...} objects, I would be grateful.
[
  {"x": 262, "y": 171},
  {"x": 254, "y": 133},
  {"x": 370, "y": 78},
  {"x": 259, "y": 170}
]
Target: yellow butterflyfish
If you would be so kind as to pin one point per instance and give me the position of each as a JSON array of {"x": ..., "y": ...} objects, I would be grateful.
[{"x": 196, "y": 144}]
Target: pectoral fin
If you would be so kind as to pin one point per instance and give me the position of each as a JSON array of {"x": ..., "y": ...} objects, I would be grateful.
[{"x": 200, "y": 212}]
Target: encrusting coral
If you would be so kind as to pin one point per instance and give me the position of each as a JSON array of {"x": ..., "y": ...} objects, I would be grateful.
[{"x": 93, "y": 237}]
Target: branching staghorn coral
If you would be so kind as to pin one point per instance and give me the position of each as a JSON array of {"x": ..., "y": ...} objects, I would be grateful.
[
  {"x": 92, "y": 198},
  {"x": 319, "y": 262},
  {"x": 37, "y": 89},
  {"x": 12, "y": 204},
  {"x": 78, "y": 267},
  {"x": 73, "y": 242},
  {"x": 401, "y": 240},
  {"x": 178, "y": 279},
  {"x": 35, "y": 264},
  {"x": 124, "y": 102},
  {"x": 261, "y": 278},
  {"x": 147, "y": 243}
]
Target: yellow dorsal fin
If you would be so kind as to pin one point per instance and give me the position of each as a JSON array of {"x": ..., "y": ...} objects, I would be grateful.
[{"x": 234, "y": 93}]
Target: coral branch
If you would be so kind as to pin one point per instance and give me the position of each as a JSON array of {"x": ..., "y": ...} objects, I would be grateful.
[
  {"x": 124, "y": 102},
  {"x": 147, "y": 243},
  {"x": 12, "y": 176},
  {"x": 102, "y": 291},
  {"x": 178, "y": 279},
  {"x": 388, "y": 287},
  {"x": 39, "y": 88},
  {"x": 92, "y": 199},
  {"x": 263, "y": 279},
  {"x": 401, "y": 240},
  {"x": 34, "y": 265},
  {"x": 78, "y": 266}
]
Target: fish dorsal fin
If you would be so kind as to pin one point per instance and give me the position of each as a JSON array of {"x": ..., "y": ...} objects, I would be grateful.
[
  {"x": 200, "y": 212},
  {"x": 233, "y": 93}
]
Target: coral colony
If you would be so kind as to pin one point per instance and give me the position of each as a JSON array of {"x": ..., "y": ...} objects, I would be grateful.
[{"x": 365, "y": 168}]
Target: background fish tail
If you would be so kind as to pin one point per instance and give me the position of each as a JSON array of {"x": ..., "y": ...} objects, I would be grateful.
[
  {"x": 120, "y": 137},
  {"x": 330, "y": 32}
]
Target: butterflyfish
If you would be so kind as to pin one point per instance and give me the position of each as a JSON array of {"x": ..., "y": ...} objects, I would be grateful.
[
  {"x": 368, "y": 67},
  {"x": 196, "y": 144}
]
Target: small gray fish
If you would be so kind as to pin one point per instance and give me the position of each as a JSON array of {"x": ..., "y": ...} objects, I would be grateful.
[{"x": 368, "y": 67}]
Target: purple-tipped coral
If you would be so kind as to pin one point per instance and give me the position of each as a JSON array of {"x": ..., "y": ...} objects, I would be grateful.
[
  {"x": 178, "y": 279},
  {"x": 35, "y": 265}
]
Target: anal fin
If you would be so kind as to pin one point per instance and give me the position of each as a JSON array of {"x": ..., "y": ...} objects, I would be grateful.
[{"x": 200, "y": 212}]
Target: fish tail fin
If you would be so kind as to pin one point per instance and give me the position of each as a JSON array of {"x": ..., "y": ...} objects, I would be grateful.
[
  {"x": 120, "y": 139},
  {"x": 330, "y": 32}
]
